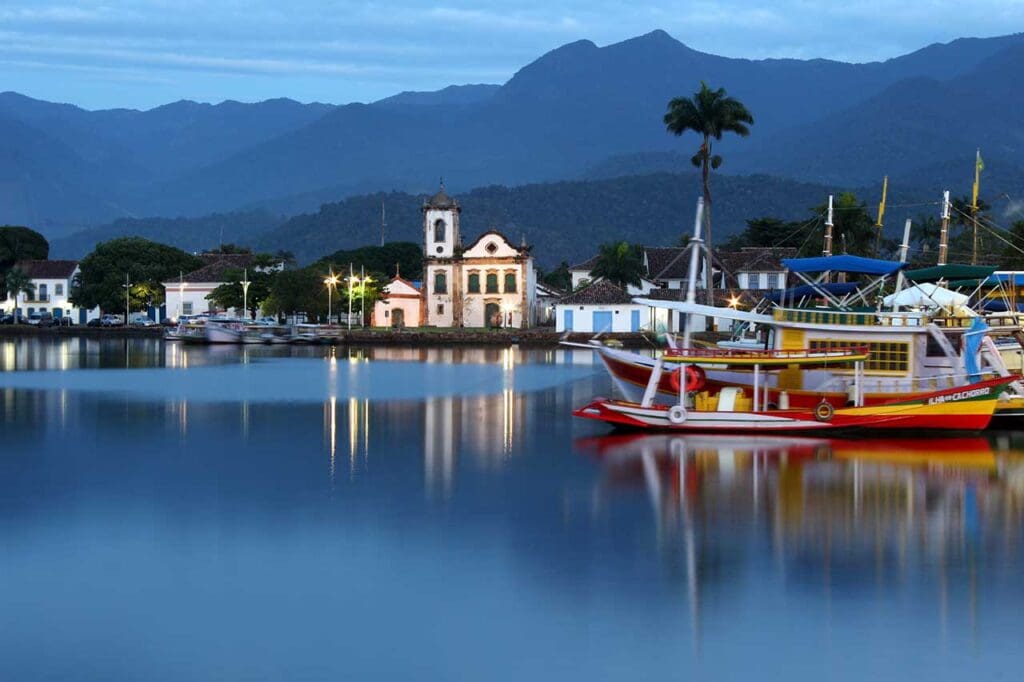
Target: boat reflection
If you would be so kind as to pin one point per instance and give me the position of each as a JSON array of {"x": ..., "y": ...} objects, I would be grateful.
[{"x": 836, "y": 514}]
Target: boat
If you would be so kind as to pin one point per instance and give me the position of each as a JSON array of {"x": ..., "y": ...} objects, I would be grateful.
[{"x": 695, "y": 406}]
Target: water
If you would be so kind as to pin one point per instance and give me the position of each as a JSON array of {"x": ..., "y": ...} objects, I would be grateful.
[{"x": 173, "y": 513}]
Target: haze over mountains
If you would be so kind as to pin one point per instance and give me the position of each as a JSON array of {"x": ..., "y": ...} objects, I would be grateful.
[{"x": 580, "y": 111}]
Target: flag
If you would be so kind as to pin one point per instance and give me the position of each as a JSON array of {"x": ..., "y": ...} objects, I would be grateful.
[
  {"x": 881, "y": 204},
  {"x": 979, "y": 166}
]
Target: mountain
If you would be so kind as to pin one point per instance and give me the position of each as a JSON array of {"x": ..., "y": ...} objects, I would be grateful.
[{"x": 577, "y": 111}]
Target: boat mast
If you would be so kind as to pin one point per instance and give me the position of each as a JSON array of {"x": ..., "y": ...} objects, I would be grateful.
[
  {"x": 944, "y": 231},
  {"x": 827, "y": 250},
  {"x": 904, "y": 247}
]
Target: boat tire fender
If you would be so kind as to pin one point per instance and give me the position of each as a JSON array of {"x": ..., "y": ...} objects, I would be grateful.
[
  {"x": 823, "y": 411},
  {"x": 677, "y": 414}
]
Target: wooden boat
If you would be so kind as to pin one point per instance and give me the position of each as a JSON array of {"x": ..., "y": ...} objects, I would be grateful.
[{"x": 968, "y": 406}]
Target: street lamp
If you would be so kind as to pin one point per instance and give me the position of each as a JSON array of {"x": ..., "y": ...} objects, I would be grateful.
[
  {"x": 127, "y": 298},
  {"x": 351, "y": 281},
  {"x": 245, "y": 293},
  {"x": 331, "y": 282}
]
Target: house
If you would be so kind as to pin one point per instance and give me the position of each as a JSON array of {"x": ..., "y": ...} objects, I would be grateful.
[
  {"x": 545, "y": 300},
  {"x": 51, "y": 284},
  {"x": 600, "y": 307},
  {"x": 187, "y": 295},
  {"x": 399, "y": 306},
  {"x": 756, "y": 268},
  {"x": 664, "y": 267},
  {"x": 490, "y": 283}
]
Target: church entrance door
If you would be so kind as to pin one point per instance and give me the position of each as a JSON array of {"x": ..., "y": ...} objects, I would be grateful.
[
  {"x": 492, "y": 315},
  {"x": 398, "y": 318}
]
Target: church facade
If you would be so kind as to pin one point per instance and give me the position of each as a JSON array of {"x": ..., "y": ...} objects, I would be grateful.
[{"x": 490, "y": 283}]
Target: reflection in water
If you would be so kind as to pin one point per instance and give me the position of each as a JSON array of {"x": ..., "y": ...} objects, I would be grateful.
[{"x": 854, "y": 512}]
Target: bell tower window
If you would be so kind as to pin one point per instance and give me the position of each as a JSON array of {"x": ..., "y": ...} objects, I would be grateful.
[{"x": 440, "y": 229}]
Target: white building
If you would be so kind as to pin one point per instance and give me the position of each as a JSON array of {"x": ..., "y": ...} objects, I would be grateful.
[
  {"x": 490, "y": 283},
  {"x": 187, "y": 295},
  {"x": 601, "y": 307},
  {"x": 400, "y": 305},
  {"x": 52, "y": 281},
  {"x": 665, "y": 267}
]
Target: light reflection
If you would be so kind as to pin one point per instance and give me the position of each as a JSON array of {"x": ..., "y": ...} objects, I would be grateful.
[{"x": 877, "y": 509}]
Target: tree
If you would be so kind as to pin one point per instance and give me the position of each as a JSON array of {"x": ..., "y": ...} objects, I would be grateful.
[
  {"x": 560, "y": 278},
  {"x": 297, "y": 291},
  {"x": 16, "y": 283},
  {"x": 231, "y": 249},
  {"x": 766, "y": 232},
  {"x": 710, "y": 114},
  {"x": 853, "y": 229},
  {"x": 20, "y": 243},
  {"x": 621, "y": 264},
  {"x": 230, "y": 293},
  {"x": 147, "y": 266},
  {"x": 404, "y": 258},
  {"x": 1013, "y": 252}
]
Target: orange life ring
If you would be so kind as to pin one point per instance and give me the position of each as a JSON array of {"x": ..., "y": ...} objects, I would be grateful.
[{"x": 695, "y": 379}]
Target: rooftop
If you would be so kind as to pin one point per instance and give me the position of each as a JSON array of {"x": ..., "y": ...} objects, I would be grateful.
[
  {"x": 601, "y": 292},
  {"x": 48, "y": 269},
  {"x": 216, "y": 268}
]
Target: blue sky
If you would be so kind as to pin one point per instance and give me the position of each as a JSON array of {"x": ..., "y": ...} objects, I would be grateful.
[{"x": 142, "y": 53}]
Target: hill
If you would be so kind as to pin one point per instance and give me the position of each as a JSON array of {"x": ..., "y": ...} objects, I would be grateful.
[{"x": 575, "y": 109}]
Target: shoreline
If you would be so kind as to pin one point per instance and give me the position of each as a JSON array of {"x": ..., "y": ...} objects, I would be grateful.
[{"x": 542, "y": 338}]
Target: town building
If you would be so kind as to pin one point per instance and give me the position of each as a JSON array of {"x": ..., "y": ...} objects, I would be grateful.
[
  {"x": 51, "y": 286},
  {"x": 490, "y": 283},
  {"x": 755, "y": 268},
  {"x": 187, "y": 295},
  {"x": 399, "y": 306},
  {"x": 664, "y": 267},
  {"x": 601, "y": 307}
]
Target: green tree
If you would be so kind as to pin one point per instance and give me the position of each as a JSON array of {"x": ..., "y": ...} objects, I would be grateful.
[
  {"x": 768, "y": 231},
  {"x": 230, "y": 293},
  {"x": 16, "y": 284},
  {"x": 231, "y": 249},
  {"x": 146, "y": 264},
  {"x": 619, "y": 263},
  {"x": 560, "y": 278},
  {"x": 20, "y": 243},
  {"x": 298, "y": 291},
  {"x": 1012, "y": 256},
  {"x": 710, "y": 114},
  {"x": 404, "y": 258},
  {"x": 853, "y": 229}
]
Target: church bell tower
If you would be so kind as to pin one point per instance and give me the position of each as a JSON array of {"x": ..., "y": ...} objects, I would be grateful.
[{"x": 440, "y": 225}]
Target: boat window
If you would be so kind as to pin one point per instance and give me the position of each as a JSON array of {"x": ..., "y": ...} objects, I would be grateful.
[
  {"x": 886, "y": 356},
  {"x": 933, "y": 349}
]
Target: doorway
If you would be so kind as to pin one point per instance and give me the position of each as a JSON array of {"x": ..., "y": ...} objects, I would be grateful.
[{"x": 492, "y": 315}]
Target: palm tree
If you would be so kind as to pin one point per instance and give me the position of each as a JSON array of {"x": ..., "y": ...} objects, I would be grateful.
[
  {"x": 16, "y": 283},
  {"x": 710, "y": 113},
  {"x": 621, "y": 264}
]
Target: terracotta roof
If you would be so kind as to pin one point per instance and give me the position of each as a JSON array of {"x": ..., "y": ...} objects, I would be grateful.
[
  {"x": 216, "y": 270},
  {"x": 755, "y": 259},
  {"x": 241, "y": 260},
  {"x": 667, "y": 262},
  {"x": 48, "y": 269},
  {"x": 587, "y": 265},
  {"x": 601, "y": 292}
]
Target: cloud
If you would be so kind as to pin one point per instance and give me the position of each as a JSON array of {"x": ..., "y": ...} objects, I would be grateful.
[{"x": 351, "y": 49}]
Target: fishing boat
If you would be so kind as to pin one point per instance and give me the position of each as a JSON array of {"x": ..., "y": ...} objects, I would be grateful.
[{"x": 749, "y": 407}]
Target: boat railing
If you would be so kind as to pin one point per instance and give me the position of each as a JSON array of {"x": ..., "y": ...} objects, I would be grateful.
[
  {"x": 851, "y": 318},
  {"x": 747, "y": 354},
  {"x": 935, "y": 382}
]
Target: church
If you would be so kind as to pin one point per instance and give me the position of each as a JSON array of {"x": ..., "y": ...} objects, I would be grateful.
[{"x": 490, "y": 283}]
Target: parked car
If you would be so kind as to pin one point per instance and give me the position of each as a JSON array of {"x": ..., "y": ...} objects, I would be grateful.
[
  {"x": 109, "y": 320},
  {"x": 141, "y": 320},
  {"x": 94, "y": 322},
  {"x": 46, "y": 320},
  {"x": 34, "y": 319},
  {"x": 6, "y": 318}
]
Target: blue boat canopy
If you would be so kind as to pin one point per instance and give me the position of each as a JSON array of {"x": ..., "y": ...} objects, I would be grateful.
[
  {"x": 805, "y": 290},
  {"x": 1014, "y": 278},
  {"x": 853, "y": 264}
]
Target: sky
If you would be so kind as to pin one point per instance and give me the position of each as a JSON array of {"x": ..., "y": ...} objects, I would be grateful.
[{"x": 143, "y": 53}]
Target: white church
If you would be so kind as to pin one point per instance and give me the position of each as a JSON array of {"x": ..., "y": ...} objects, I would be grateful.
[{"x": 490, "y": 283}]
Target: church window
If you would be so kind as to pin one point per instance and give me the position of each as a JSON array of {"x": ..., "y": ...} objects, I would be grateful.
[
  {"x": 440, "y": 308},
  {"x": 474, "y": 283},
  {"x": 510, "y": 282},
  {"x": 440, "y": 283},
  {"x": 491, "y": 248},
  {"x": 492, "y": 283},
  {"x": 439, "y": 230}
]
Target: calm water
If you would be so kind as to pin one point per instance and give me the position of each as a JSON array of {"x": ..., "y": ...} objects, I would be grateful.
[{"x": 173, "y": 513}]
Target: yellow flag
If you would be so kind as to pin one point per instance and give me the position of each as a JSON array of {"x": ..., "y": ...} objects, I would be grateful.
[
  {"x": 881, "y": 204},
  {"x": 979, "y": 166}
]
